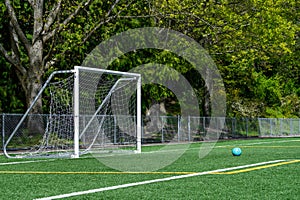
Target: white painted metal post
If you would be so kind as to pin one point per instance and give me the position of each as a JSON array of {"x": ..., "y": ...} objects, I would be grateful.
[
  {"x": 139, "y": 115},
  {"x": 76, "y": 113}
]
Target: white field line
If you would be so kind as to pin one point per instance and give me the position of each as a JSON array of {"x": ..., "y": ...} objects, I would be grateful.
[
  {"x": 256, "y": 143},
  {"x": 155, "y": 181},
  {"x": 195, "y": 148},
  {"x": 215, "y": 146},
  {"x": 162, "y": 151},
  {"x": 24, "y": 162},
  {"x": 159, "y": 151}
]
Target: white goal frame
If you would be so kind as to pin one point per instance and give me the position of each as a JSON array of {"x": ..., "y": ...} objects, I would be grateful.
[
  {"x": 76, "y": 151},
  {"x": 77, "y": 114}
]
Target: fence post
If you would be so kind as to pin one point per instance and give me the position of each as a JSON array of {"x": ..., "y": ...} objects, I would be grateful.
[
  {"x": 291, "y": 127},
  {"x": 115, "y": 129},
  {"x": 178, "y": 128},
  {"x": 204, "y": 127},
  {"x": 247, "y": 126},
  {"x": 233, "y": 126},
  {"x": 142, "y": 129},
  {"x": 189, "y": 128},
  {"x": 280, "y": 124},
  {"x": 271, "y": 127},
  {"x": 162, "y": 130},
  {"x": 3, "y": 130}
]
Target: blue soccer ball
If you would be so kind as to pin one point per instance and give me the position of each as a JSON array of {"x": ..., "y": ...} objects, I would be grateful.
[{"x": 236, "y": 151}]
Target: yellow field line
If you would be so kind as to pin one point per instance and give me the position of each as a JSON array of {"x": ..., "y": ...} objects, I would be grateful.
[
  {"x": 85, "y": 172},
  {"x": 257, "y": 168}
]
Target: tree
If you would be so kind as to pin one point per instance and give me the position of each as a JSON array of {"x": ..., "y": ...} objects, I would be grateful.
[
  {"x": 250, "y": 41},
  {"x": 254, "y": 43},
  {"x": 42, "y": 34}
]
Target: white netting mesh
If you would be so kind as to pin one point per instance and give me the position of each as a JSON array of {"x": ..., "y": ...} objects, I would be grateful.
[
  {"x": 107, "y": 111},
  {"x": 105, "y": 104},
  {"x": 59, "y": 134}
]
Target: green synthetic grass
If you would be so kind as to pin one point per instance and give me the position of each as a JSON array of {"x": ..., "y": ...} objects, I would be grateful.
[{"x": 280, "y": 182}]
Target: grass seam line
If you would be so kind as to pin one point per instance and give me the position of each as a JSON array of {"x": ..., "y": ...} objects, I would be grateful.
[{"x": 114, "y": 172}]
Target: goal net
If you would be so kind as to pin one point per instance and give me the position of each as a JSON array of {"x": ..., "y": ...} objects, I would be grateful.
[{"x": 90, "y": 111}]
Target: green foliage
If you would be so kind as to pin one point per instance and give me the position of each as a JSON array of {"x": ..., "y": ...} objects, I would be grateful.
[
  {"x": 155, "y": 93},
  {"x": 268, "y": 90},
  {"x": 11, "y": 97},
  {"x": 254, "y": 43}
]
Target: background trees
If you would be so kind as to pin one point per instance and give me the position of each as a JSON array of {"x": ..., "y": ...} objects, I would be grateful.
[
  {"x": 40, "y": 36},
  {"x": 254, "y": 43}
]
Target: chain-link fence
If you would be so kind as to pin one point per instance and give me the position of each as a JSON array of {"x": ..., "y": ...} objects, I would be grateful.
[
  {"x": 161, "y": 129},
  {"x": 24, "y": 136},
  {"x": 180, "y": 129},
  {"x": 276, "y": 127}
]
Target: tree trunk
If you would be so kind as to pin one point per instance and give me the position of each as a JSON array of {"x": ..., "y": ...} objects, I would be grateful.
[
  {"x": 36, "y": 71},
  {"x": 33, "y": 85}
]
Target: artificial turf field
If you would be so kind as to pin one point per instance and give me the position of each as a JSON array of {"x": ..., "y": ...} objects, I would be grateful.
[{"x": 267, "y": 169}]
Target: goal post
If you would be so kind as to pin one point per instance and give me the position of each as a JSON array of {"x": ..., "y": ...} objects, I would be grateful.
[
  {"x": 116, "y": 107},
  {"x": 91, "y": 110}
]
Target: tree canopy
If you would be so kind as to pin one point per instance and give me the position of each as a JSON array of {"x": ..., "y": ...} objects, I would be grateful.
[{"x": 254, "y": 43}]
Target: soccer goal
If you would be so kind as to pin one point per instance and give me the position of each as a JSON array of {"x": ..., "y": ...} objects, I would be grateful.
[{"x": 90, "y": 111}]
